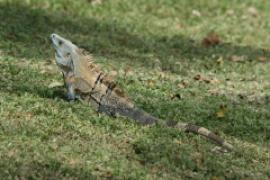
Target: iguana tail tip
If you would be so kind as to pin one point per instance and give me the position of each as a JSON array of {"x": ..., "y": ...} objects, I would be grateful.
[
  {"x": 227, "y": 146},
  {"x": 204, "y": 132}
]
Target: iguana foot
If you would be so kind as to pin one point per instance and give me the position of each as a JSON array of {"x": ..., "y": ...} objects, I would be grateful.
[{"x": 70, "y": 97}]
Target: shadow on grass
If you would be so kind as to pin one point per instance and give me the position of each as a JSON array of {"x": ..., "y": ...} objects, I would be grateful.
[
  {"x": 28, "y": 169},
  {"x": 24, "y": 34},
  {"x": 18, "y": 80}
]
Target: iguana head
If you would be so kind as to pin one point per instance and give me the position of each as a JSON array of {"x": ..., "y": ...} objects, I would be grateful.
[
  {"x": 70, "y": 58},
  {"x": 64, "y": 51}
]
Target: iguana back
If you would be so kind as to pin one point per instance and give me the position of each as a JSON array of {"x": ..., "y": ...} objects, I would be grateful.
[{"x": 99, "y": 90}]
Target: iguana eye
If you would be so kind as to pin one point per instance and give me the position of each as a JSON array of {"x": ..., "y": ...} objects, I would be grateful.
[
  {"x": 60, "y": 43},
  {"x": 68, "y": 54}
]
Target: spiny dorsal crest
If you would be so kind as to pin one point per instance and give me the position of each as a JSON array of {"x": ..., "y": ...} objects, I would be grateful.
[{"x": 106, "y": 78}]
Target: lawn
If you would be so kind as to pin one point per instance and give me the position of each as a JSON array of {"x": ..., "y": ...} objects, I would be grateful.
[{"x": 204, "y": 61}]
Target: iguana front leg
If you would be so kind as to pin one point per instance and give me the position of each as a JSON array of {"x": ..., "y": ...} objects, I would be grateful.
[
  {"x": 70, "y": 93},
  {"x": 69, "y": 83}
]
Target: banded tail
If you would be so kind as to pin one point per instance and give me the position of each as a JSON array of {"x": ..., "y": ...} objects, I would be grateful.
[{"x": 144, "y": 118}]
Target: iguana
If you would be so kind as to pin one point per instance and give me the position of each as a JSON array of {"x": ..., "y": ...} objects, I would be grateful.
[{"x": 86, "y": 82}]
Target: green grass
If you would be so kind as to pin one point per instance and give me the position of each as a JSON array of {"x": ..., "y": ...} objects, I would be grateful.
[{"x": 154, "y": 46}]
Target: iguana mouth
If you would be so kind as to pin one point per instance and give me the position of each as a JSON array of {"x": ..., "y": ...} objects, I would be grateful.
[
  {"x": 54, "y": 45},
  {"x": 53, "y": 41}
]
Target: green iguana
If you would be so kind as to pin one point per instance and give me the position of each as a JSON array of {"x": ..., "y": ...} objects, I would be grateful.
[{"x": 87, "y": 83}]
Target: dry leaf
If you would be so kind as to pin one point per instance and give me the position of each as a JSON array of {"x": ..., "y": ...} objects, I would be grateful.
[
  {"x": 219, "y": 150},
  {"x": 183, "y": 84},
  {"x": 215, "y": 178},
  {"x": 198, "y": 77},
  {"x": 262, "y": 59},
  {"x": 175, "y": 96},
  {"x": 150, "y": 83},
  {"x": 95, "y": 2},
  {"x": 236, "y": 58},
  {"x": 179, "y": 26},
  {"x": 176, "y": 141},
  {"x": 220, "y": 61},
  {"x": 12, "y": 153},
  {"x": 196, "y": 13},
  {"x": 230, "y": 12},
  {"x": 211, "y": 39},
  {"x": 29, "y": 115},
  {"x": 221, "y": 111},
  {"x": 214, "y": 91},
  {"x": 253, "y": 11},
  {"x": 73, "y": 161},
  {"x": 161, "y": 75},
  {"x": 214, "y": 81},
  {"x": 128, "y": 71},
  {"x": 208, "y": 80}
]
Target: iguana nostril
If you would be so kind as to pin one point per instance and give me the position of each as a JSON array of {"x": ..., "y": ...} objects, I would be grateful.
[{"x": 52, "y": 36}]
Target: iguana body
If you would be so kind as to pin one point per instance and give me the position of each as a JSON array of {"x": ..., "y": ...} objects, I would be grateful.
[{"x": 86, "y": 82}]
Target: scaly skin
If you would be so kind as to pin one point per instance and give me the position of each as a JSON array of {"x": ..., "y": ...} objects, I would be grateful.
[{"x": 86, "y": 82}]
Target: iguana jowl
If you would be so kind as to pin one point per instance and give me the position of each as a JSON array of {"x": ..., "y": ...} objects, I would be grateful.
[{"x": 86, "y": 82}]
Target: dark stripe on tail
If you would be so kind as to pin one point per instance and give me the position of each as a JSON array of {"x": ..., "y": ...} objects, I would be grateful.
[
  {"x": 144, "y": 118},
  {"x": 204, "y": 132},
  {"x": 207, "y": 133}
]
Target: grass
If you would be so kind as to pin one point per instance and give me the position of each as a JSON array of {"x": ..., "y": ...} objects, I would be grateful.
[{"x": 155, "y": 48}]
